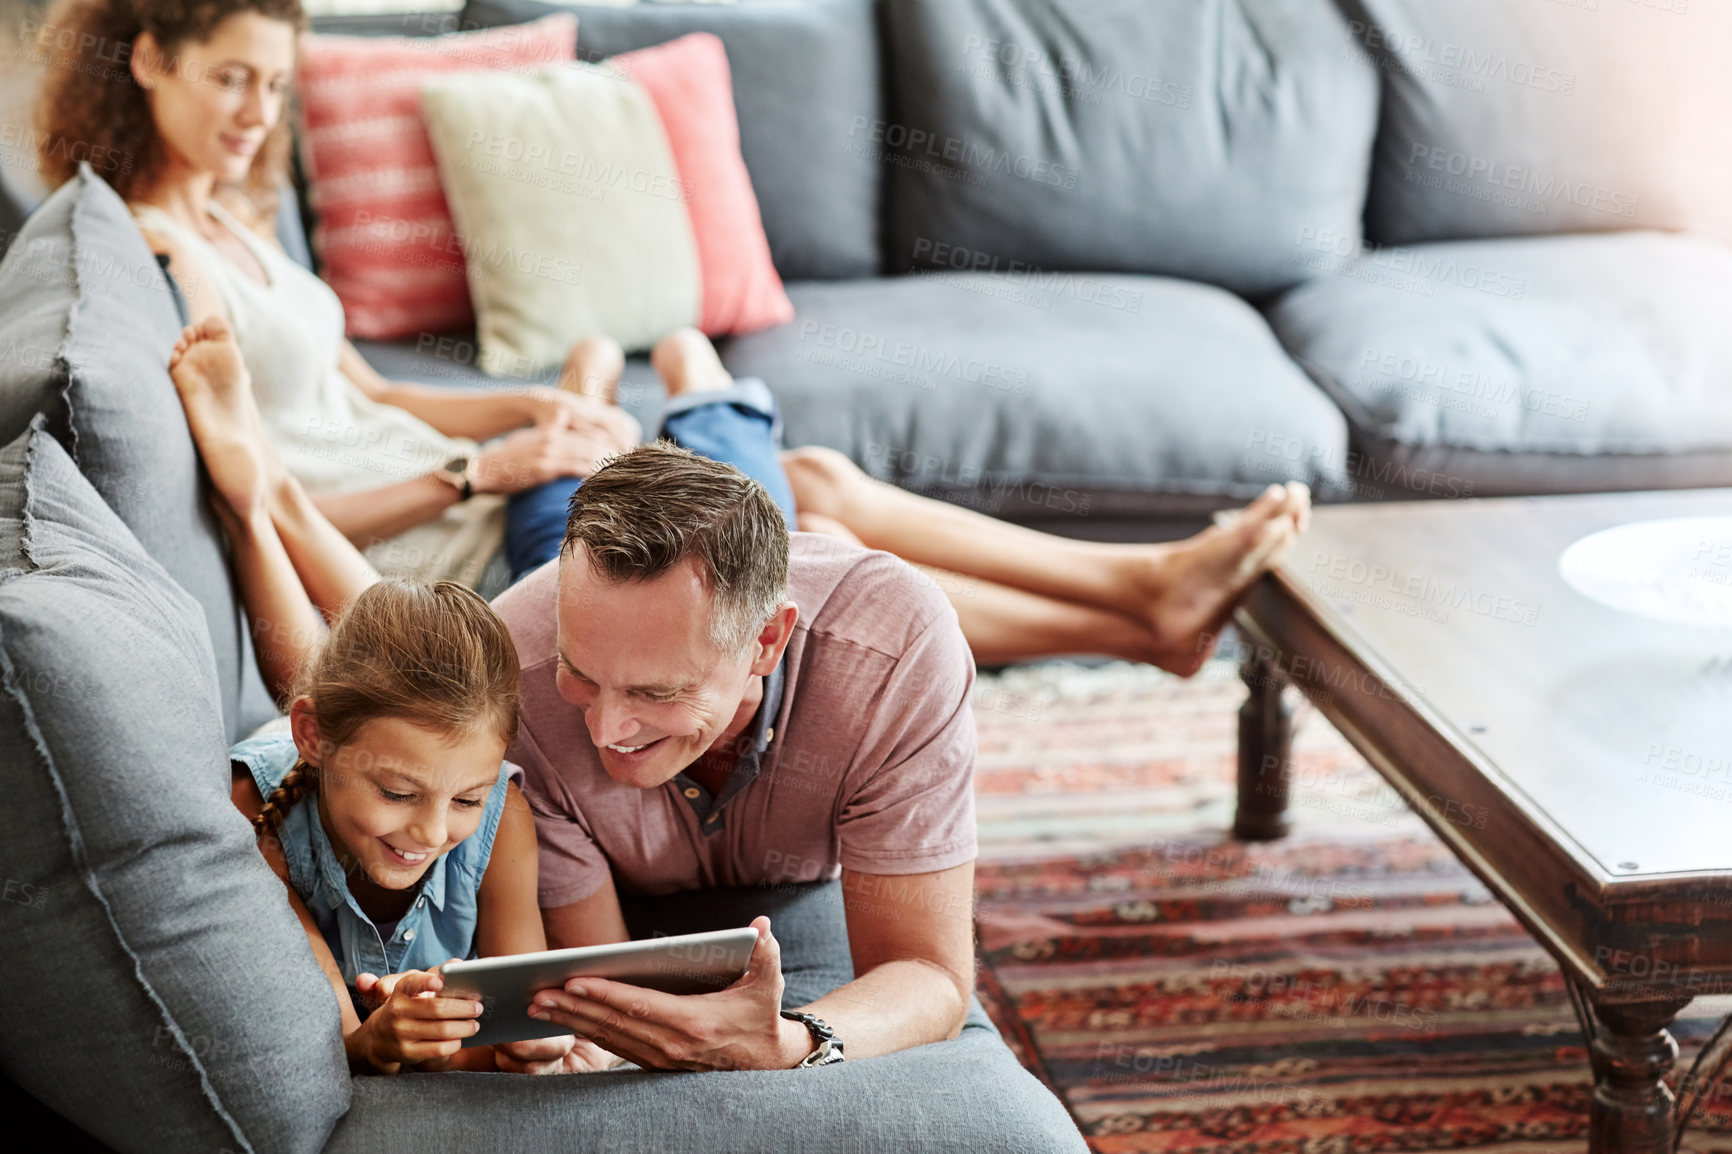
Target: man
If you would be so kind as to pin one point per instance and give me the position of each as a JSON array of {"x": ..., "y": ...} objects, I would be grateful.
[{"x": 710, "y": 702}]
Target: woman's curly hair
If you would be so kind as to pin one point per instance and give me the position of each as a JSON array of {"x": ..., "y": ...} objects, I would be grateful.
[{"x": 90, "y": 108}]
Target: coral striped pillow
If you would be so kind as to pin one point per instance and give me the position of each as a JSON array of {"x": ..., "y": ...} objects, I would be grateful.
[{"x": 384, "y": 236}]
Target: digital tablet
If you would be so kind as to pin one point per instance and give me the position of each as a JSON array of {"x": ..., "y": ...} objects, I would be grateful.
[{"x": 684, "y": 964}]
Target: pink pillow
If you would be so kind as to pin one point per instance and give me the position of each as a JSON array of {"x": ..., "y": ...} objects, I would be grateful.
[
  {"x": 693, "y": 92},
  {"x": 385, "y": 236}
]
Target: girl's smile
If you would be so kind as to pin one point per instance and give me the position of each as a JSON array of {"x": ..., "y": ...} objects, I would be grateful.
[{"x": 396, "y": 796}]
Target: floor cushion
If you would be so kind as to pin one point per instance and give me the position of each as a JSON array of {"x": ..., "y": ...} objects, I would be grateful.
[
  {"x": 160, "y": 993},
  {"x": 86, "y": 325},
  {"x": 1054, "y": 396},
  {"x": 1540, "y": 365}
]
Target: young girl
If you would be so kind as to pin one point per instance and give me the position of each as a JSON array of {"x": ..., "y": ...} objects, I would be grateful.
[
  {"x": 390, "y": 814},
  {"x": 387, "y": 809}
]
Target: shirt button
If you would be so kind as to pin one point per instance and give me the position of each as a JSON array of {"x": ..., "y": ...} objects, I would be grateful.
[
  {"x": 692, "y": 792},
  {"x": 408, "y": 935},
  {"x": 420, "y": 901},
  {"x": 769, "y": 735}
]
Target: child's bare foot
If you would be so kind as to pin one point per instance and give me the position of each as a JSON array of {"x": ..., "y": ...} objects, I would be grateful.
[
  {"x": 1194, "y": 585},
  {"x": 216, "y": 394},
  {"x": 593, "y": 369},
  {"x": 687, "y": 362}
]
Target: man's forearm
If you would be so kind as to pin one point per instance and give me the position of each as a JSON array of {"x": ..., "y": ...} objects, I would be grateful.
[{"x": 892, "y": 1007}]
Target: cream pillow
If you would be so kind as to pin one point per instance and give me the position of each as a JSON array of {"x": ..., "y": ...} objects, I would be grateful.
[{"x": 572, "y": 213}]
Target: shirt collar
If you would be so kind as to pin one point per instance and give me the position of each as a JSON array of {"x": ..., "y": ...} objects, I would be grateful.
[{"x": 763, "y": 733}]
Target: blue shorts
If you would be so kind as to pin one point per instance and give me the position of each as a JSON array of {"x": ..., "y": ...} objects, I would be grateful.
[{"x": 736, "y": 425}]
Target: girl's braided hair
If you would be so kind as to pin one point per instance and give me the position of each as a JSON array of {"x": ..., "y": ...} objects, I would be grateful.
[{"x": 433, "y": 654}]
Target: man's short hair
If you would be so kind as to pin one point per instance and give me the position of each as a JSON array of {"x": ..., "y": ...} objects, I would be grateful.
[{"x": 647, "y": 510}]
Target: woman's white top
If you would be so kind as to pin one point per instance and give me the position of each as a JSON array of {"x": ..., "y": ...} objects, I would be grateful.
[{"x": 331, "y": 435}]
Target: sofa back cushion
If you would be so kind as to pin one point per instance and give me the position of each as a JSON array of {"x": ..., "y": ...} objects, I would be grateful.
[
  {"x": 803, "y": 75},
  {"x": 86, "y": 325},
  {"x": 385, "y": 236},
  {"x": 1205, "y": 139},
  {"x": 161, "y": 994},
  {"x": 1506, "y": 119}
]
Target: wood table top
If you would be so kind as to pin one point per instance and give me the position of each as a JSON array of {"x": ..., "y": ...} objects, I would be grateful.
[{"x": 1611, "y": 731}]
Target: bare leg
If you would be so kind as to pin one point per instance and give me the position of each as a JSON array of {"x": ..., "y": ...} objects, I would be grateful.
[
  {"x": 593, "y": 369},
  {"x": 1005, "y": 625},
  {"x": 1020, "y": 594},
  {"x": 687, "y": 362},
  {"x": 1181, "y": 593},
  {"x": 291, "y": 561}
]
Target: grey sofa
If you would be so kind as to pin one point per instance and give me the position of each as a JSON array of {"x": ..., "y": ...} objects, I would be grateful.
[
  {"x": 1113, "y": 266},
  {"x": 163, "y": 994},
  {"x": 1150, "y": 226}
]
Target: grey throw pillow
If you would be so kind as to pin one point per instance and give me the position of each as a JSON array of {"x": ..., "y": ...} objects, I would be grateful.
[
  {"x": 160, "y": 992},
  {"x": 1504, "y": 119},
  {"x": 86, "y": 325},
  {"x": 1204, "y": 140}
]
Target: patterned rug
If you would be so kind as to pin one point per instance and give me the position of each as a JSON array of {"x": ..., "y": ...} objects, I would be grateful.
[{"x": 1351, "y": 988}]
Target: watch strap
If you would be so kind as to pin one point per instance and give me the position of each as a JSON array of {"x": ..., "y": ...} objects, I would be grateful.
[
  {"x": 459, "y": 479},
  {"x": 827, "y": 1047}
]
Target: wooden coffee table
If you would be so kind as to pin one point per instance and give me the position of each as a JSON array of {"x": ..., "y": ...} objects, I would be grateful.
[{"x": 1573, "y": 756}]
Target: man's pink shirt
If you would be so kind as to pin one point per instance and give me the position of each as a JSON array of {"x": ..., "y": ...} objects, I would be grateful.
[{"x": 870, "y": 765}]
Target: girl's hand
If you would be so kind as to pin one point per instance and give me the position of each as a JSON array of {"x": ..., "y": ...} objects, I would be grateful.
[
  {"x": 566, "y": 1055},
  {"x": 410, "y": 1023}
]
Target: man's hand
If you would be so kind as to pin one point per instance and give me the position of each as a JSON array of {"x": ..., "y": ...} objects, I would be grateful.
[{"x": 739, "y": 1028}]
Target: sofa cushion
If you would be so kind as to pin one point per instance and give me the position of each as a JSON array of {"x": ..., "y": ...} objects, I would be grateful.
[
  {"x": 86, "y": 325},
  {"x": 689, "y": 82},
  {"x": 385, "y": 236},
  {"x": 1505, "y": 119},
  {"x": 556, "y": 257},
  {"x": 1062, "y": 396},
  {"x": 969, "y": 1093},
  {"x": 1549, "y": 364},
  {"x": 1193, "y": 139},
  {"x": 803, "y": 73},
  {"x": 161, "y": 994}
]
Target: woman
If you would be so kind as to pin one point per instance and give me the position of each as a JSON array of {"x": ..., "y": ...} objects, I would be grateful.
[
  {"x": 203, "y": 108},
  {"x": 198, "y": 117}
]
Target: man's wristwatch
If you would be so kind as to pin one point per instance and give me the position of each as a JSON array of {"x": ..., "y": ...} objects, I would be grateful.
[
  {"x": 829, "y": 1046},
  {"x": 454, "y": 470}
]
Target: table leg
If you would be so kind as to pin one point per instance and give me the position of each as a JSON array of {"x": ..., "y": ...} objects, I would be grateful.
[
  {"x": 1632, "y": 1052},
  {"x": 1265, "y": 753}
]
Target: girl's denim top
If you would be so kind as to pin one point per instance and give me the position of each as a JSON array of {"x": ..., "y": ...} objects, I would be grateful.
[{"x": 438, "y": 926}]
